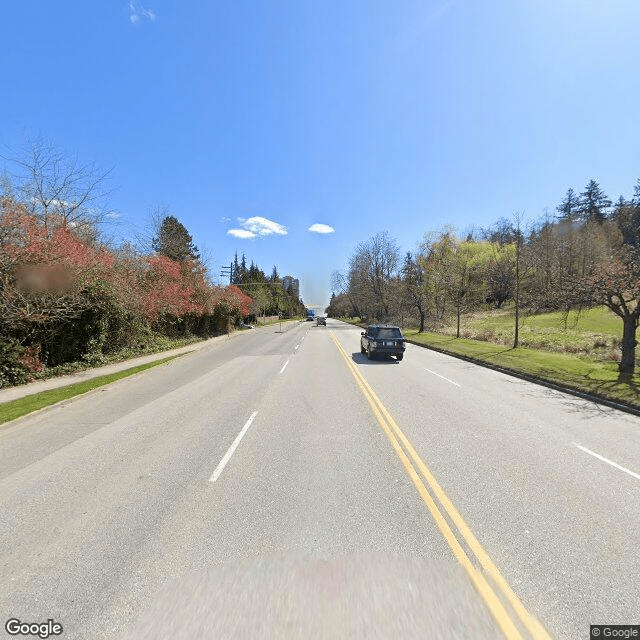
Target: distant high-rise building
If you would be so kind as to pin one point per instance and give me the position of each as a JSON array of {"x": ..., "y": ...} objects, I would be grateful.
[{"x": 291, "y": 284}]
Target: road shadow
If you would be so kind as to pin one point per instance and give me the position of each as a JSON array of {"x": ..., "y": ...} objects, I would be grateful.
[{"x": 360, "y": 358}]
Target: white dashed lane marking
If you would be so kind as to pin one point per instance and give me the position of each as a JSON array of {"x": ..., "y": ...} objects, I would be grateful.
[
  {"x": 613, "y": 464},
  {"x": 232, "y": 448},
  {"x": 439, "y": 376}
]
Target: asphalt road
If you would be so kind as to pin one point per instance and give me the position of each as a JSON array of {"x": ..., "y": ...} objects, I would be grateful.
[{"x": 282, "y": 485}]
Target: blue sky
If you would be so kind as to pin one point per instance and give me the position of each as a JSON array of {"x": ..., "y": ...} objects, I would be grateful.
[{"x": 362, "y": 115}]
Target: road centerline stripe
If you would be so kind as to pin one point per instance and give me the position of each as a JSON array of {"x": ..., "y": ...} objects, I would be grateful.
[
  {"x": 439, "y": 376},
  {"x": 494, "y": 604},
  {"x": 611, "y": 462},
  {"x": 284, "y": 366},
  {"x": 227, "y": 456}
]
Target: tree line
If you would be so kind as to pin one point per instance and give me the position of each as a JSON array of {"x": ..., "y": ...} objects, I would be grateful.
[
  {"x": 67, "y": 294},
  {"x": 269, "y": 294},
  {"x": 586, "y": 255}
]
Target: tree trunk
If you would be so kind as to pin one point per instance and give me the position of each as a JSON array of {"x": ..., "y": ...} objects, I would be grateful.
[
  {"x": 627, "y": 364},
  {"x": 458, "y": 321},
  {"x": 421, "y": 321}
]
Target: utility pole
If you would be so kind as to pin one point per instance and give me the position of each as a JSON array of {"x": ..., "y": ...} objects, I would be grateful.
[{"x": 228, "y": 271}]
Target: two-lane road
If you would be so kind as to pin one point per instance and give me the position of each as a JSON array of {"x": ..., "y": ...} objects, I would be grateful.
[{"x": 282, "y": 485}]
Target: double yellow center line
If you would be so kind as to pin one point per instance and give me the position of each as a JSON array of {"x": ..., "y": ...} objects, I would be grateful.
[{"x": 483, "y": 567}]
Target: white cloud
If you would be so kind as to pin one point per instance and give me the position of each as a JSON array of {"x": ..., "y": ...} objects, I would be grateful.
[
  {"x": 262, "y": 226},
  {"x": 257, "y": 226},
  {"x": 321, "y": 228},
  {"x": 243, "y": 234},
  {"x": 138, "y": 12}
]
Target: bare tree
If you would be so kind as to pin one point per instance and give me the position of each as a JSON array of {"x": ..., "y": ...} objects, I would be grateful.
[
  {"x": 57, "y": 188},
  {"x": 371, "y": 271},
  {"x": 413, "y": 289},
  {"x": 610, "y": 276}
]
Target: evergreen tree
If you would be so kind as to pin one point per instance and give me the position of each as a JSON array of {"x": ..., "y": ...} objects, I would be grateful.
[
  {"x": 235, "y": 270},
  {"x": 242, "y": 270},
  {"x": 173, "y": 241},
  {"x": 593, "y": 203},
  {"x": 627, "y": 217},
  {"x": 568, "y": 208}
]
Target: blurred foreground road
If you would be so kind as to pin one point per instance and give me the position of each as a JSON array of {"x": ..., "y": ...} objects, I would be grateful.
[{"x": 282, "y": 485}]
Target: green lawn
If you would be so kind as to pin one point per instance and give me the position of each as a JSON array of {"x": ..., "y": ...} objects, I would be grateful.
[
  {"x": 579, "y": 372},
  {"x": 576, "y": 350},
  {"x": 23, "y": 406},
  {"x": 593, "y": 331}
]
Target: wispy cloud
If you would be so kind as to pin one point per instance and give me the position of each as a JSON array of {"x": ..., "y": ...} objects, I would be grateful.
[
  {"x": 138, "y": 12},
  {"x": 243, "y": 234},
  {"x": 321, "y": 228},
  {"x": 257, "y": 226}
]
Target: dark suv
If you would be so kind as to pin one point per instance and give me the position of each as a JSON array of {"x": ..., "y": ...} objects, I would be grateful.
[{"x": 382, "y": 339}]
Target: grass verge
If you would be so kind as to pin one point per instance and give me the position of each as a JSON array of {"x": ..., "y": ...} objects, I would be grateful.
[
  {"x": 155, "y": 343},
  {"x": 23, "y": 406},
  {"x": 576, "y": 372},
  {"x": 596, "y": 331},
  {"x": 273, "y": 321}
]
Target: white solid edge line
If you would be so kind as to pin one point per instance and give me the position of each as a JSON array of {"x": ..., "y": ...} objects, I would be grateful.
[
  {"x": 232, "y": 448},
  {"x": 613, "y": 464},
  {"x": 284, "y": 366},
  {"x": 439, "y": 376}
]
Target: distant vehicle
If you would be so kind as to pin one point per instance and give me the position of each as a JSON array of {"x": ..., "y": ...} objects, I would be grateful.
[
  {"x": 310, "y": 314},
  {"x": 244, "y": 325},
  {"x": 382, "y": 339},
  {"x": 321, "y": 320}
]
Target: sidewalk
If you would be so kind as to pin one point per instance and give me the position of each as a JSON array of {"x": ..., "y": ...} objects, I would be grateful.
[{"x": 13, "y": 393}]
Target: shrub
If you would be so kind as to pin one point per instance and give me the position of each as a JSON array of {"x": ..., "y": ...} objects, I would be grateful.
[{"x": 12, "y": 371}]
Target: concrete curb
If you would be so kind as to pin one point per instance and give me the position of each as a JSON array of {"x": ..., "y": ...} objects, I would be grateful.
[
  {"x": 592, "y": 397},
  {"x": 48, "y": 407},
  {"x": 15, "y": 393}
]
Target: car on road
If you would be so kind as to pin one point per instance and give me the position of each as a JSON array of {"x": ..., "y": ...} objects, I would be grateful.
[
  {"x": 382, "y": 339},
  {"x": 321, "y": 320}
]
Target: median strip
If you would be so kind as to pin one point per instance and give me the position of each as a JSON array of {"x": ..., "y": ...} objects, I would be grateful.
[{"x": 414, "y": 466}]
